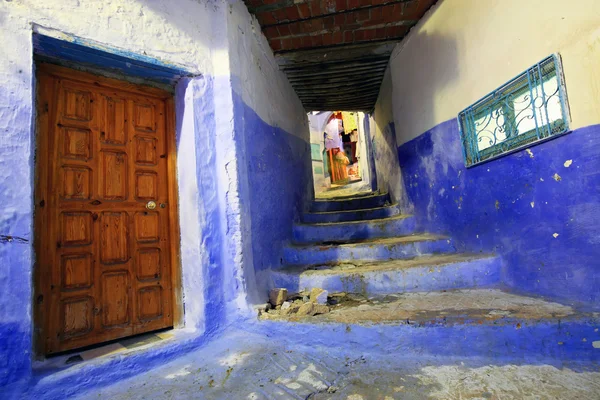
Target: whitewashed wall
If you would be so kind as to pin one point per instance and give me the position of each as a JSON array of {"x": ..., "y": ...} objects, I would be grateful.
[{"x": 463, "y": 49}]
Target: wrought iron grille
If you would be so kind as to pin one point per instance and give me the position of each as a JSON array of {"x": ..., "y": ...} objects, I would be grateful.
[{"x": 530, "y": 108}]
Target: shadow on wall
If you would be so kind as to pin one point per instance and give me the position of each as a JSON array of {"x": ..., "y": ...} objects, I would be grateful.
[
  {"x": 420, "y": 108},
  {"x": 538, "y": 209},
  {"x": 390, "y": 113},
  {"x": 278, "y": 169}
]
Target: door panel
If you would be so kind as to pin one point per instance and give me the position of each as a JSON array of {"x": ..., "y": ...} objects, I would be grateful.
[{"x": 105, "y": 259}]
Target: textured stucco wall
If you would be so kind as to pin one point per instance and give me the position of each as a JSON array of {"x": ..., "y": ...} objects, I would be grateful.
[
  {"x": 463, "y": 49},
  {"x": 545, "y": 229},
  {"x": 222, "y": 113},
  {"x": 152, "y": 28},
  {"x": 273, "y": 142},
  {"x": 317, "y": 123},
  {"x": 383, "y": 139}
]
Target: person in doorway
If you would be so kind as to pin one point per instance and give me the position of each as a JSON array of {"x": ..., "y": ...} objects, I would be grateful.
[
  {"x": 347, "y": 144},
  {"x": 353, "y": 143}
]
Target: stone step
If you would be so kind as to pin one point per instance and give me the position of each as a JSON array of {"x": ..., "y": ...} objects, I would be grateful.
[
  {"x": 400, "y": 225},
  {"x": 370, "y": 250},
  {"x": 467, "y": 323},
  {"x": 374, "y": 200},
  {"x": 426, "y": 273},
  {"x": 351, "y": 215}
]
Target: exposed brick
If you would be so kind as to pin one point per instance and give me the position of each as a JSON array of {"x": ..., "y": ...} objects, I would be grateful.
[
  {"x": 366, "y": 3},
  {"x": 380, "y": 33},
  {"x": 341, "y": 5},
  {"x": 397, "y": 31},
  {"x": 275, "y": 44},
  {"x": 353, "y": 4},
  {"x": 327, "y": 39},
  {"x": 328, "y": 6},
  {"x": 348, "y": 36},
  {"x": 351, "y": 17},
  {"x": 271, "y": 32},
  {"x": 266, "y": 18},
  {"x": 370, "y": 34},
  {"x": 363, "y": 15},
  {"x": 297, "y": 42},
  {"x": 339, "y": 20},
  {"x": 315, "y": 8},
  {"x": 359, "y": 35},
  {"x": 317, "y": 25},
  {"x": 304, "y": 10},
  {"x": 416, "y": 8},
  {"x": 337, "y": 37},
  {"x": 328, "y": 23},
  {"x": 306, "y": 27},
  {"x": 318, "y": 40},
  {"x": 292, "y": 13},
  {"x": 389, "y": 31},
  {"x": 376, "y": 16},
  {"x": 269, "y": 1},
  {"x": 392, "y": 13},
  {"x": 280, "y": 15},
  {"x": 254, "y": 3},
  {"x": 284, "y": 30},
  {"x": 287, "y": 44},
  {"x": 306, "y": 41},
  {"x": 295, "y": 28}
]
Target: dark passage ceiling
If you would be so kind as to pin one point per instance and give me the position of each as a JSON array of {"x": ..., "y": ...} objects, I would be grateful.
[{"x": 335, "y": 52}]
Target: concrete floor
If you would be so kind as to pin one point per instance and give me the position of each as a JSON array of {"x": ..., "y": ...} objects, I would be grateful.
[{"x": 249, "y": 366}]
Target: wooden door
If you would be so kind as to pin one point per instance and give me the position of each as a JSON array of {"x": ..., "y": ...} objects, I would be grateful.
[{"x": 104, "y": 253}]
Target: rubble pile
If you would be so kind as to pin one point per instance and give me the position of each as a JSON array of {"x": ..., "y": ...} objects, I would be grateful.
[{"x": 306, "y": 303}]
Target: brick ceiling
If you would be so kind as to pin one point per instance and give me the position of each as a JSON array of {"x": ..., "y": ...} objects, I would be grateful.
[{"x": 335, "y": 52}]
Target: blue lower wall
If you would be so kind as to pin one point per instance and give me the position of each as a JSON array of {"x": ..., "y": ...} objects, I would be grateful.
[
  {"x": 278, "y": 168},
  {"x": 514, "y": 206}
]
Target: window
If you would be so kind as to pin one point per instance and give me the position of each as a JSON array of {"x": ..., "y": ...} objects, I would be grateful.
[{"x": 528, "y": 109}]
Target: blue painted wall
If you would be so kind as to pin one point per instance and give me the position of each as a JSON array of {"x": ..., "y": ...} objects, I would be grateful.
[
  {"x": 279, "y": 175},
  {"x": 16, "y": 238},
  {"x": 514, "y": 206}
]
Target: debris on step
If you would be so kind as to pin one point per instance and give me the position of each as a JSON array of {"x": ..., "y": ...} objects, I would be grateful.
[
  {"x": 311, "y": 309},
  {"x": 309, "y": 303},
  {"x": 319, "y": 296},
  {"x": 292, "y": 309},
  {"x": 337, "y": 298},
  {"x": 277, "y": 296},
  {"x": 262, "y": 308},
  {"x": 297, "y": 296}
]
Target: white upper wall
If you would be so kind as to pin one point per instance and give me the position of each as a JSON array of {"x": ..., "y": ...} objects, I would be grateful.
[
  {"x": 264, "y": 87},
  {"x": 464, "y": 49},
  {"x": 155, "y": 28}
]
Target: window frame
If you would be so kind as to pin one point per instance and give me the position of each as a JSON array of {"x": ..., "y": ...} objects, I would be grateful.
[{"x": 495, "y": 105}]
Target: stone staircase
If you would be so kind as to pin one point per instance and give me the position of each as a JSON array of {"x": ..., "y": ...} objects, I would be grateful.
[
  {"x": 365, "y": 245},
  {"x": 412, "y": 291}
]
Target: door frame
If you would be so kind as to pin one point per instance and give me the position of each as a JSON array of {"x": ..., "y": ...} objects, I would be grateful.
[{"x": 41, "y": 193}]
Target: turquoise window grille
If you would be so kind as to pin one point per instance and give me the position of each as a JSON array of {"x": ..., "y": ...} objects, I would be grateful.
[{"x": 528, "y": 109}]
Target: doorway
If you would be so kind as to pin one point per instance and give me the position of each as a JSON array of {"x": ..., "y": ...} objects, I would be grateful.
[
  {"x": 106, "y": 210},
  {"x": 339, "y": 152}
]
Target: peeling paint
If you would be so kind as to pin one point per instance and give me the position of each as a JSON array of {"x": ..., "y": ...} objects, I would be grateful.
[
  {"x": 529, "y": 152},
  {"x": 556, "y": 177}
]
